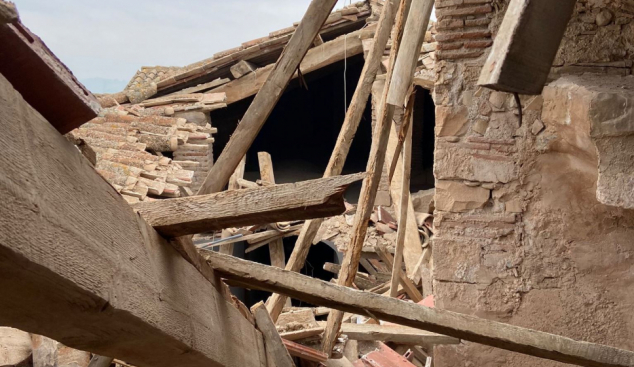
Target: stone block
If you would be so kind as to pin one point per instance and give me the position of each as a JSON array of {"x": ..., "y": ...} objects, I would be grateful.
[
  {"x": 453, "y": 162},
  {"x": 423, "y": 201},
  {"x": 451, "y": 120},
  {"x": 454, "y": 196}
]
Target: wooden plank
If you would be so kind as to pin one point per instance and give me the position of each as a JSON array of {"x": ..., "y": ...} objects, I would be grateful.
[
  {"x": 403, "y": 209},
  {"x": 44, "y": 81},
  {"x": 272, "y": 342},
  {"x": 302, "y": 334},
  {"x": 344, "y": 141},
  {"x": 526, "y": 45},
  {"x": 279, "y": 203},
  {"x": 461, "y": 326},
  {"x": 276, "y": 246},
  {"x": 79, "y": 266},
  {"x": 234, "y": 184},
  {"x": 410, "y": 288},
  {"x": 374, "y": 168},
  {"x": 393, "y": 333},
  {"x": 242, "y": 68},
  {"x": 316, "y": 58},
  {"x": 304, "y": 352},
  {"x": 268, "y": 95},
  {"x": 409, "y": 52}
]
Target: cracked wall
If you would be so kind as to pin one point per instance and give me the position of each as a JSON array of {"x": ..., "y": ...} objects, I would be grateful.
[{"x": 524, "y": 233}]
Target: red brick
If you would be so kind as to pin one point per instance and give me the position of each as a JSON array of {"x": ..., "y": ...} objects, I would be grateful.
[
  {"x": 446, "y": 3},
  {"x": 450, "y": 36},
  {"x": 458, "y": 54},
  {"x": 450, "y": 23},
  {"x": 478, "y": 44},
  {"x": 477, "y": 22},
  {"x": 471, "y": 10},
  {"x": 449, "y": 46}
]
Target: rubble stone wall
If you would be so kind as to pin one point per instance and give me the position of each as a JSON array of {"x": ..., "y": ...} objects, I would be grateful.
[{"x": 524, "y": 235}]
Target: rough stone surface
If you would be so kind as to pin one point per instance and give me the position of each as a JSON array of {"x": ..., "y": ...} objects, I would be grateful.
[
  {"x": 458, "y": 197},
  {"x": 451, "y": 121},
  {"x": 423, "y": 201}
]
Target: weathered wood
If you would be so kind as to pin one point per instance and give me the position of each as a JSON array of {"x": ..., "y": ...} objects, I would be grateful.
[
  {"x": 302, "y": 334},
  {"x": 393, "y": 333},
  {"x": 100, "y": 361},
  {"x": 466, "y": 327},
  {"x": 526, "y": 45},
  {"x": 236, "y": 208},
  {"x": 408, "y": 286},
  {"x": 268, "y": 95},
  {"x": 413, "y": 37},
  {"x": 79, "y": 266},
  {"x": 276, "y": 246},
  {"x": 8, "y": 12},
  {"x": 234, "y": 184},
  {"x": 304, "y": 352},
  {"x": 242, "y": 68},
  {"x": 361, "y": 280},
  {"x": 272, "y": 341},
  {"x": 344, "y": 141},
  {"x": 403, "y": 208},
  {"x": 44, "y": 82},
  {"x": 350, "y": 263},
  {"x": 315, "y": 59}
]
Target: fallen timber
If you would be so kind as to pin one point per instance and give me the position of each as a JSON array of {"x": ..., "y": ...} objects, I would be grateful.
[{"x": 496, "y": 334}]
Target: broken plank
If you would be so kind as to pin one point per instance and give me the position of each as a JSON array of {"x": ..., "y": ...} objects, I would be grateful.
[
  {"x": 43, "y": 80},
  {"x": 203, "y": 213},
  {"x": 393, "y": 333},
  {"x": 234, "y": 184},
  {"x": 526, "y": 45},
  {"x": 272, "y": 341},
  {"x": 304, "y": 352},
  {"x": 461, "y": 326},
  {"x": 344, "y": 141},
  {"x": 79, "y": 266},
  {"x": 242, "y": 68},
  {"x": 267, "y": 97},
  {"x": 276, "y": 246},
  {"x": 410, "y": 288}
]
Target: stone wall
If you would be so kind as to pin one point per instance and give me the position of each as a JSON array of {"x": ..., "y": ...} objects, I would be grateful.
[{"x": 524, "y": 235}]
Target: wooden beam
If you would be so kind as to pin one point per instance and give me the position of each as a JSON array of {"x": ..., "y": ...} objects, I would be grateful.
[
  {"x": 234, "y": 184},
  {"x": 44, "y": 81},
  {"x": 242, "y": 68},
  {"x": 344, "y": 141},
  {"x": 276, "y": 246},
  {"x": 409, "y": 52},
  {"x": 316, "y": 58},
  {"x": 466, "y": 327},
  {"x": 267, "y": 96},
  {"x": 304, "y": 352},
  {"x": 79, "y": 266},
  {"x": 526, "y": 45},
  {"x": 408, "y": 286},
  {"x": 204, "y": 213},
  {"x": 374, "y": 168},
  {"x": 272, "y": 342},
  {"x": 393, "y": 333}
]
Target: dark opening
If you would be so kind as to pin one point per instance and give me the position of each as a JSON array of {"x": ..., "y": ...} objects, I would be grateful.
[{"x": 423, "y": 139}]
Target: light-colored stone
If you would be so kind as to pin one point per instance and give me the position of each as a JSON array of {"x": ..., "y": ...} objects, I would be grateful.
[
  {"x": 481, "y": 125},
  {"x": 513, "y": 206},
  {"x": 451, "y": 121},
  {"x": 498, "y": 100},
  {"x": 537, "y": 127},
  {"x": 454, "y": 196},
  {"x": 604, "y": 17},
  {"x": 453, "y": 162},
  {"x": 15, "y": 346},
  {"x": 423, "y": 201}
]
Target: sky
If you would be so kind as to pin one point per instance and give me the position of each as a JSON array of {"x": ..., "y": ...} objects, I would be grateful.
[{"x": 105, "y": 42}]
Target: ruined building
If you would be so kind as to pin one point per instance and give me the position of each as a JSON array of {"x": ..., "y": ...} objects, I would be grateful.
[{"x": 398, "y": 191}]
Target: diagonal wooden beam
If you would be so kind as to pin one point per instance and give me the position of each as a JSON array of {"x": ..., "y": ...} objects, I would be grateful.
[
  {"x": 79, "y": 266},
  {"x": 496, "y": 334},
  {"x": 237, "y": 208},
  {"x": 272, "y": 340},
  {"x": 266, "y": 99}
]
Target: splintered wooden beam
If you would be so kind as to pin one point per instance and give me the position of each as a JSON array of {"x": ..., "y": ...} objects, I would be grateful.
[
  {"x": 237, "y": 208},
  {"x": 79, "y": 266},
  {"x": 267, "y": 97},
  {"x": 43, "y": 80},
  {"x": 272, "y": 341},
  {"x": 496, "y": 334},
  {"x": 349, "y": 128},
  {"x": 526, "y": 45}
]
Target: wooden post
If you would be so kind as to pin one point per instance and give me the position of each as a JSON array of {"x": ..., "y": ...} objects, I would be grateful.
[
  {"x": 272, "y": 340},
  {"x": 267, "y": 97},
  {"x": 408, "y": 286},
  {"x": 470, "y": 328},
  {"x": 344, "y": 141},
  {"x": 276, "y": 247},
  {"x": 367, "y": 196},
  {"x": 404, "y": 205},
  {"x": 233, "y": 185},
  {"x": 526, "y": 45}
]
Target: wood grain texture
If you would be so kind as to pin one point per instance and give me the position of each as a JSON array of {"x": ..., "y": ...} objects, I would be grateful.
[
  {"x": 272, "y": 340},
  {"x": 267, "y": 96},
  {"x": 276, "y": 246},
  {"x": 409, "y": 287},
  {"x": 526, "y": 45},
  {"x": 461, "y": 326},
  {"x": 236, "y": 208},
  {"x": 393, "y": 333},
  {"x": 409, "y": 52},
  {"x": 374, "y": 168},
  {"x": 342, "y": 147},
  {"x": 234, "y": 184},
  {"x": 43, "y": 80},
  {"x": 79, "y": 266}
]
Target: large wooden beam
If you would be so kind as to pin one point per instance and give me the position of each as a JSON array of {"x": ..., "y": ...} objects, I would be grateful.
[
  {"x": 267, "y": 97},
  {"x": 79, "y": 266},
  {"x": 526, "y": 45},
  {"x": 202, "y": 213},
  {"x": 43, "y": 80},
  {"x": 272, "y": 340},
  {"x": 466, "y": 327},
  {"x": 276, "y": 246},
  {"x": 315, "y": 59},
  {"x": 344, "y": 141}
]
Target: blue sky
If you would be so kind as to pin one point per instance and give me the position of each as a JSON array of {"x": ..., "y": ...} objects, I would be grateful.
[{"x": 105, "y": 42}]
